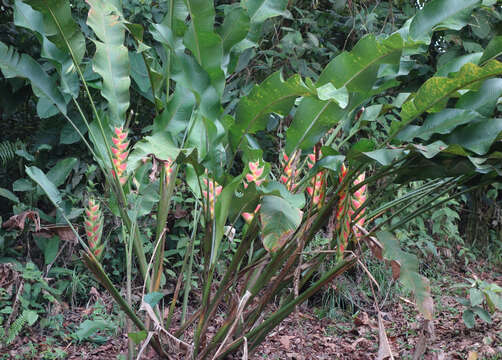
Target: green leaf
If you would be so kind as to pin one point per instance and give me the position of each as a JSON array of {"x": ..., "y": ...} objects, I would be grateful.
[
  {"x": 23, "y": 66},
  {"x": 494, "y": 300},
  {"x": 408, "y": 274},
  {"x": 176, "y": 116},
  {"x": 8, "y": 195},
  {"x": 477, "y": 137},
  {"x": 49, "y": 188},
  {"x": 357, "y": 70},
  {"x": 386, "y": 156},
  {"x": 279, "y": 220},
  {"x": 484, "y": 100},
  {"x": 59, "y": 173},
  {"x": 261, "y": 10},
  {"x": 274, "y": 95},
  {"x": 468, "y": 317},
  {"x": 90, "y": 327},
  {"x": 437, "y": 90},
  {"x": 153, "y": 298},
  {"x": 159, "y": 144},
  {"x": 279, "y": 189},
  {"x": 22, "y": 185},
  {"x": 328, "y": 92},
  {"x": 235, "y": 27},
  {"x": 111, "y": 60},
  {"x": 138, "y": 337},
  {"x": 456, "y": 64},
  {"x": 312, "y": 119},
  {"x": 493, "y": 49},
  {"x": 49, "y": 247},
  {"x": 476, "y": 297},
  {"x": 60, "y": 27},
  {"x": 30, "y": 316},
  {"x": 441, "y": 123},
  {"x": 205, "y": 45},
  {"x": 483, "y": 314},
  {"x": 371, "y": 112},
  {"x": 450, "y": 14}
]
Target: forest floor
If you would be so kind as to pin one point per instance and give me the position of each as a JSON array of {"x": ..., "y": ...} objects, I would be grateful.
[{"x": 303, "y": 335}]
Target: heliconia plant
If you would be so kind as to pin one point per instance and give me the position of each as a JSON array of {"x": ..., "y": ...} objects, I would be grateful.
[
  {"x": 188, "y": 62},
  {"x": 94, "y": 228}
]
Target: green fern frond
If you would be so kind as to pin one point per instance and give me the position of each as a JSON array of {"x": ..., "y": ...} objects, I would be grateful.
[
  {"x": 16, "y": 327},
  {"x": 8, "y": 151}
]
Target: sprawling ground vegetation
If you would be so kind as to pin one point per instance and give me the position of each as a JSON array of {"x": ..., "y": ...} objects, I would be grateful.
[{"x": 198, "y": 179}]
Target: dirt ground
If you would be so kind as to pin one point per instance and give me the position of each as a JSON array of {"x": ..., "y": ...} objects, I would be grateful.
[{"x": 304, "y": 336}]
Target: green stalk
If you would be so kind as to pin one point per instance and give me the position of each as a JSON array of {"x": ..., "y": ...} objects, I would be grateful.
[
  {"x": 162, "y": 213},
  {"x": 188, "y": 275},
  {"x": 261, "y": 330}
]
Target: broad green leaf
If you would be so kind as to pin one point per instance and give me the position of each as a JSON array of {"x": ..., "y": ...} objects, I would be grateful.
[
  {"x": 159, "y": 145},
  {"x": 59, "y": 26},
  {"x": 328, "y": 92},
  {"x": 49, "y": 188},
  {"x": 8, "y": 195},
  {"x": 111, "y": 60},
  {"x": 49, "y": 247},
  {"x": 138, "y": 337},
  {"x": 206, "y": 46},
  {"x": 59, "y": 173},
  {"x": 187, "y": 71},
  {"x": 371, "y": 112},
  {"x": 235, "y": 27},
  {"x": 408, "y": 273},
  {"x": 437, "y": 90},
  {"x": 477, "y": 137},
  {"x": 493, "y": 49},
  {"x": 312, "y": 119},
  {"x": 279, "y": 220},
  {"x": 451, "y": 14},
  {"x": 484, "y": 100},
  {"x": 90, "y": 327},
  {"x": 476, "y": 296},
  {"x": 456, "y": 64},
  {"x": 13, "y": 64},
  {"x": 357, "y": 70},
  {"x": 153, "y": 298},
  {"x": 494, "y": 301},
  {"x": 177, "y": 114},
  {"x": 386, "y": 156},
  {"x": 274, "y": 95},
  {"x": 22, "y": 185},
  {"x": 30, "y": 316},
  {"x": 483, "y": 314},
  {"x": 261, "y": 10},
  {"x": 279, "y": 189},
  {"x": 443, "y": 122},
  {"x": 468, "y": 317},
  {"x": 25, "y": 16}
]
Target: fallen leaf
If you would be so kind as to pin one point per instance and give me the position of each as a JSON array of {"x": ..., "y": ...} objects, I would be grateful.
[{"x": 18, "y": 221}]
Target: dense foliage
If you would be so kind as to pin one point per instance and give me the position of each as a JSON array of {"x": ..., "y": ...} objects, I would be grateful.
[{"x": 209, "y": 145}]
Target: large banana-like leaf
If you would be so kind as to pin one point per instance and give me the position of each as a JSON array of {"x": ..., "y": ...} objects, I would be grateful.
[
  {"x": 311, "y": 121},
  {"x": 357, "y": 70},
  {"x": 111, "y": 60},
  {"x": 274, "y": 95},
  {"x": 261, "y": 10},
  {"x": 205, "y": 45},
  {"x": 478, "y": 136},
  {"x": 13, "y": 64},
  {"x": 483, "y": 100},
  {"x": 59, "y": 26},
  {"x": 450, "y": 14},
  {"x": 493, "y": 49},
  {"x": 235, "y": 27},
  {"x": 25, "y": 16},
  {"x": 435, "y": 92},
  {"x": 279, "y": 220}
]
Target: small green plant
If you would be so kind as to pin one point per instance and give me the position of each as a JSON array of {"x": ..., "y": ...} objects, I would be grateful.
[{"x": 484, "y": 299}]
